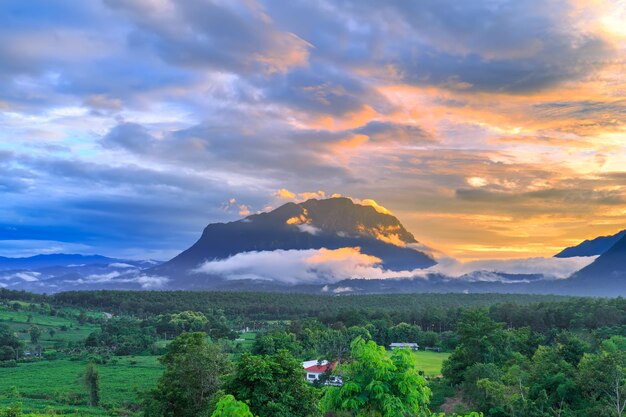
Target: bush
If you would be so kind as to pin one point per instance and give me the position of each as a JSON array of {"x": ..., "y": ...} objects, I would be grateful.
[
  {"x": 8, "y": 364},
  {"x": 14, "y": 410}
]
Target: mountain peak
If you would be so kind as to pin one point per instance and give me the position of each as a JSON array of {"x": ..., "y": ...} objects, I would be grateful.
[
  {"x": 332, "y": 223},
  {"x": 340, "y": 216}
]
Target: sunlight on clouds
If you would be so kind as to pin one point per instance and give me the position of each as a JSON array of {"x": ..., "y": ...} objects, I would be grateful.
[{"x": 495, "y": 140}]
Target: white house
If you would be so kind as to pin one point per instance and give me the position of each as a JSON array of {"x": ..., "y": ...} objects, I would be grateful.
[
  {"x": 315, "y": 369},
  {"x": 412, "y": 346}
]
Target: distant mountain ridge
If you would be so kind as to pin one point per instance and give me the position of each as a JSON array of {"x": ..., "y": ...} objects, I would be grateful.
[
  {"x": 56, "y": 259},
  {"x": 592, "y": 247},
  {"x": 331, "y": 223}
]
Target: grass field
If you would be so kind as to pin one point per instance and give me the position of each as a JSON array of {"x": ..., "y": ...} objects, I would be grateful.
[
  {"x": 21, "y": 321},
  {"x": 430, "y": 362},
  {"x": 248, "y": 339},
  {"x": 56, "y": 386},
  {"x": 45, "y": 384}
]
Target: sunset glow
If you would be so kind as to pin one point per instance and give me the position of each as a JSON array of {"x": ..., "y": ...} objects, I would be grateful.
[{"x": 128, "y": 126}]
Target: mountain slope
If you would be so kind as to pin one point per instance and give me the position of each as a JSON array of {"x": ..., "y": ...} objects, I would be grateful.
[
  {"x": 332, "y": 224},
  {"x": 593, "y": 247},
  {"x": 606, "y": 275}
]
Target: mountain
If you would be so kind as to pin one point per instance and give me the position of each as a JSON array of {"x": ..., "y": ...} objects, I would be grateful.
[
  {"x": 606, "y": 275},
  {"x": 56, "y": 259},
  {"x": 332, "y": 223},
  {"x": 593, "y": 247},
  {"x": 60, "y": 272}
]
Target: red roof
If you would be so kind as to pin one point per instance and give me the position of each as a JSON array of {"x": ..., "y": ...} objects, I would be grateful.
[{"x": 320, "y": 369}]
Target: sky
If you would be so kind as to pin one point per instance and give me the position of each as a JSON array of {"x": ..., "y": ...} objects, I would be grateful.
[{"x": 490, "y": 128}]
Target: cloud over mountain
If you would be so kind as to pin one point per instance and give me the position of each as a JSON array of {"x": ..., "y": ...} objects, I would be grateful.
[{"x": 310, "y": 266}]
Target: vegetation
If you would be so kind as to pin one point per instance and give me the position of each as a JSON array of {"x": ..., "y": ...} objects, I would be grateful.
[
  {"x": 192, "y": 378},
  {"x": 128, "y": 353},
  {"x": 92, "y": 382},
  {"x": 376, "y": 384}
]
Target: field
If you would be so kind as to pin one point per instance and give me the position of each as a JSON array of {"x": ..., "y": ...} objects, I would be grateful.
[
  {"x": 430, "y": 362},
  {"x": 120, "y": 379},
  {"x": 56, "y": 386}
]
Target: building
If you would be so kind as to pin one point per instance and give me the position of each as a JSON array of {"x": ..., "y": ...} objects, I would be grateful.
[
  {"x": 315, "y": 370},
  {"x": 412, "y": 346}
]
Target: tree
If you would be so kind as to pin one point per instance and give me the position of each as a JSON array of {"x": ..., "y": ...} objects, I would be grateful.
[
  {"x": 188, "y": 321},
  {"x": 92, "y": 382},
  {"x": 228, "y": 406},
  {"x": 52, "y": 332},
  {"x": 35, "y": 333},
  {"x": 482, "y": 340},
  {"x": 9, "y": 343},
  {"x": 378, "y": 385},
  {"x": 273, "y": 385},
  {"x": 82, "y": 317},
  {"x": 192, "y": 377},
  {"x": 603, "y": 376},
  {"x": 269, "y": 344}
]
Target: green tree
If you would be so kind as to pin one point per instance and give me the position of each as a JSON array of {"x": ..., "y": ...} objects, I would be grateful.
[
  {"x": 273, "y": 385},
  {"x": 603, "y": 376},
  {"x": 228, "y": 406},
  {"x": 35, "y": 334},
  {"x": 52, "y": 332},
  {"x": 189, "y": 321},
  {"x": 271, "y": 343},
  {"x": 378, "y": 385},
  {"x": 482, "y": 340},
  {"x": 9, "y": 343},
  {"x": 192, "y": 377},
  {"x": 92, "y": 382}
]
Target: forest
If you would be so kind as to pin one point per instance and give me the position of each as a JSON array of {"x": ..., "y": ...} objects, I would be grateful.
[{"x": 125, "y": 353}]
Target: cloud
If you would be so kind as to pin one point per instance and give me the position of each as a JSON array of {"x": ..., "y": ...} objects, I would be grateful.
[
  {"x": 299, "y": 266},
  {"x": 116, "y": 277},
  {"x": 107, "y": 277},
  {"x": 24, "y": 276},
  {"x": 485, "y": 125},
  {"x": 341, "y": 290},
  {"x": 330, "y": 266},
  {"x": 231, "y": 36},
  {"x": 307, "y": 228},
  {"x": 121, "y": 265},
  {"x": 558, "y": 268}
]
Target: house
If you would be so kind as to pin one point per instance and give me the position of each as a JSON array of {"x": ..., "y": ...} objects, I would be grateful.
[
  {"x": 412, "y": 346},
  {"x": 315, "y": 369}
]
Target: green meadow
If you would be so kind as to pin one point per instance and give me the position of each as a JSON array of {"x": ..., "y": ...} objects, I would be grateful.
[{"x": 430, "y": 362}]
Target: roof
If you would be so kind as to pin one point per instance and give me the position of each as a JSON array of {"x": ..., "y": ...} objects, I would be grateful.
[
  {"x": 404, "y": 344},
  {"x": 320, "y": 369}
]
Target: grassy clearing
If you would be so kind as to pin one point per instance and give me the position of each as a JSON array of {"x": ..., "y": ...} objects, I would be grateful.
[
  {"x": 43, "y": 408},
  {"x": 430, "y": 362},
  {"x": 248, "y": 339},
  {"x": 59, "y": 383},
  {"x": 21, "y": 322}
]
